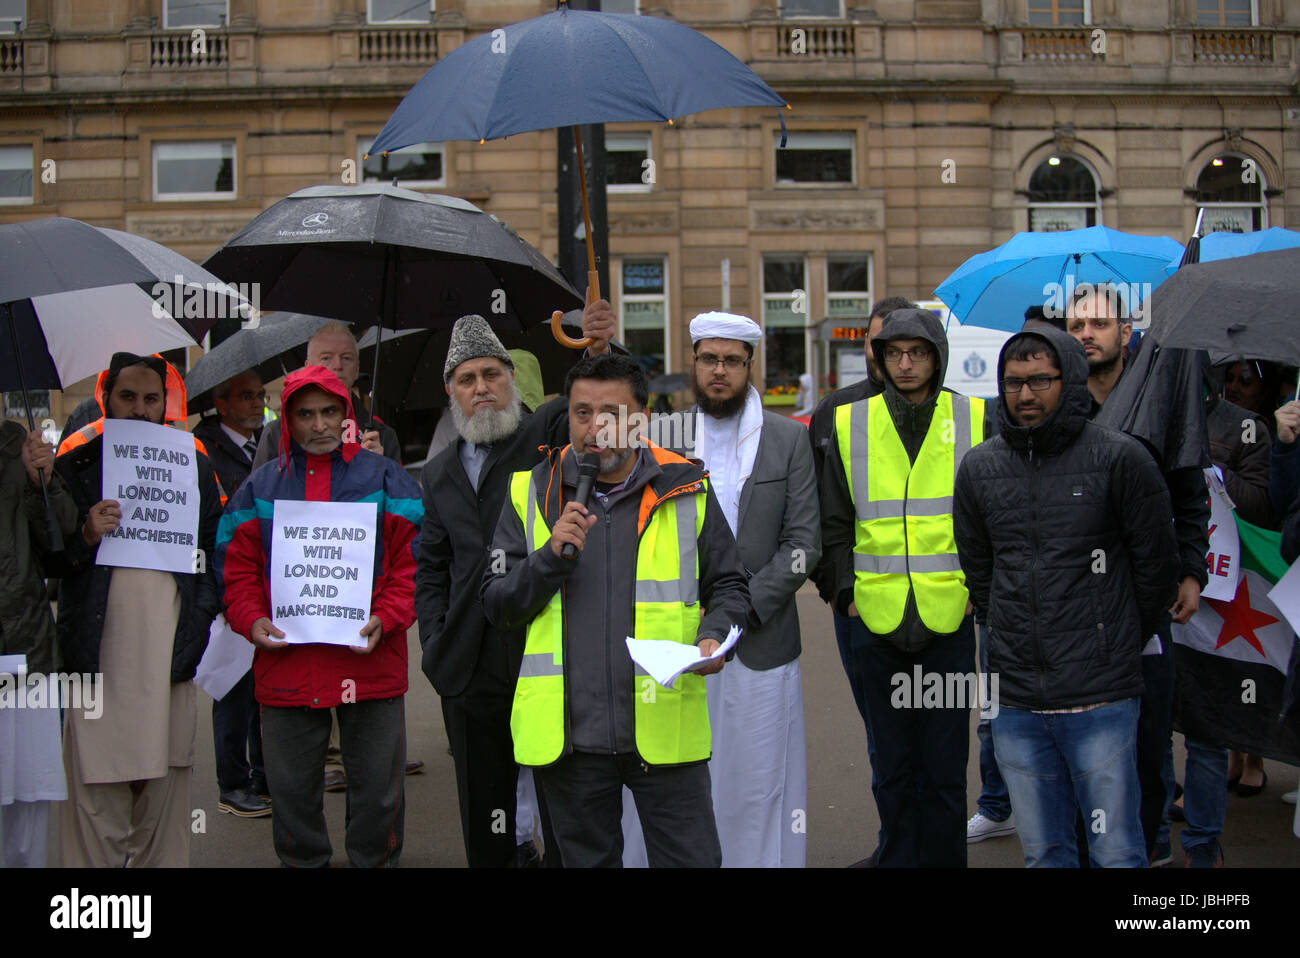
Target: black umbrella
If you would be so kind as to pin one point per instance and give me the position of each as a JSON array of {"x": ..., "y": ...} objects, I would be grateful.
[
  {"x": 394, "y": 257},
  {"x": 72, "y": 294},
  {"x": 274, "y": 347},
  {"x": 670, "y": 383},
  {"x": 1239, "y": 308}
]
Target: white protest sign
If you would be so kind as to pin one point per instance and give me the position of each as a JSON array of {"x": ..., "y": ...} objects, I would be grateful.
[
  {"x": 152, "y": 473},
  {"x": 1223, "y": 561},
  {"x": 322, "y": 570}
]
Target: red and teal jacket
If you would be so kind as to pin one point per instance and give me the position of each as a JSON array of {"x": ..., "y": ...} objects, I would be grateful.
[{"x": 318, "y": 676}]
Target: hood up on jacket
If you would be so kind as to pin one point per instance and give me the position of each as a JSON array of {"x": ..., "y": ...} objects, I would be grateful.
[
  {"x": 175, "y": 412},
  {"x": 1072, "y": 412},
  {"x": 911, "y": 324},
  {"x": 322, "y": 378}
]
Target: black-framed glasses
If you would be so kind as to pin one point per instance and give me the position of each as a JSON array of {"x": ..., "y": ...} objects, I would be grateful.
[
  {"x": 1038, "y": 384},
  {"x": 710, "y": 361},
  {"x": 917, "y": 354}
]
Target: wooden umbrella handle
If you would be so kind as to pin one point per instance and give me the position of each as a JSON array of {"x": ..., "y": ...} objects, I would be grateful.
[{"x": 563, "y": 338}]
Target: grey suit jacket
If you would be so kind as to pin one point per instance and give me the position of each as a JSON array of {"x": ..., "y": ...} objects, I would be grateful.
[{"x": 778, "y": 539}]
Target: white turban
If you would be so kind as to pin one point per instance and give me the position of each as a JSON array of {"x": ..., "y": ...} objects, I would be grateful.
[{"x": 725, "y": 326}]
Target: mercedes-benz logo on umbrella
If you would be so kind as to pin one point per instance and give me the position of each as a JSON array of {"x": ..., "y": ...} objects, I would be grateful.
[{"x": 315, "y": 220}]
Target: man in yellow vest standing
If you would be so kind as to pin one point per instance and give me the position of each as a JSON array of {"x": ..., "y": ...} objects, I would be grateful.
[
  {"x": 887, "y": 537},
  {"x": 655, "y": 560}
]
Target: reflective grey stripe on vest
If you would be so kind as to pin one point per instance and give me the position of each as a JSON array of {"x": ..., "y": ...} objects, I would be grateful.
[
  {"x": 901, "y": 565},
  {"x": 687, "y": 587},
  {"x": 893, "y": 508},
  {"x": 961, "y": 444},
  {"x": 530, "y": 516},
  {"x": 858, "y": 456},
  {"x": 537, "y": 664}
]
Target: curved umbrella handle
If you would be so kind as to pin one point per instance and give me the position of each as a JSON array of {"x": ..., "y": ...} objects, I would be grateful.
[{"x": 563, "y": 338}]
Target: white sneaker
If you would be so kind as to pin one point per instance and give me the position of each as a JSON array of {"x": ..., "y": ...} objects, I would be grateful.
[
  {"x": 1290, "y": 796},
  {"x": 980, "y": 828}
]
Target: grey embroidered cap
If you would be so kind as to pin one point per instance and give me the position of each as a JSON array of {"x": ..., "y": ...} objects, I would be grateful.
[{"x": 472, "y": 338}]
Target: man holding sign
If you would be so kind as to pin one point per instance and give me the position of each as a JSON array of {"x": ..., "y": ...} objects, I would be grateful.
[
  {"x": 136, "y": 605},
  {"x": 316, "y": 558}
]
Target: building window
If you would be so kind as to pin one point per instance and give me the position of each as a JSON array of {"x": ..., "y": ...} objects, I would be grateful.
[
  {"x": 848, "y": 286},
  {"x": 1059, "y": 13},
  {"x": 1227, "y": 13},
  {"x": 179, "y": 14},
  {"x": 16, "y": 409},
  {"x": 643, "y": 311},
  {"x": 194, "y": 171},
  {"x": 812, "y": 8},
  {"x": 13, "y": 13},
  {"x": 814, "y": 158},
  {"x": 1230, "y": 191},
  {"x": 785, "y": 318},
  {"x": 1062, "y": 196},
  {"x": 412, "y": 166},
  {"x": 629, "y": 168},
  {"x": 620, "y": 6},
  {"x": 15, "y": 174},
  {"x": 399, "y": 11}
]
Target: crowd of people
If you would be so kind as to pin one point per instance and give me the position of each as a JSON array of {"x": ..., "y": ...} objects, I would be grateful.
[{"x": 955, "y": 539}]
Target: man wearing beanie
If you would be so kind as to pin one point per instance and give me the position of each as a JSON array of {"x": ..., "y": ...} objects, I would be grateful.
[{"x": 472, "y": 665}]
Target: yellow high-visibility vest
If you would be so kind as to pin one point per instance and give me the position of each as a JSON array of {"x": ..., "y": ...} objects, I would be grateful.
[
  {"x": 903, "y": 511},
  {"x": 672, "y": 725}
]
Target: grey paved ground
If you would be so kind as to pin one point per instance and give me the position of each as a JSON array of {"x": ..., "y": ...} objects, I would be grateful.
[{"x": 842, "y": 818}]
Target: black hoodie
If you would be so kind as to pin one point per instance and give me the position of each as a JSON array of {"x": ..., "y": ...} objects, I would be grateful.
[{"x": 1064, "y": 532}]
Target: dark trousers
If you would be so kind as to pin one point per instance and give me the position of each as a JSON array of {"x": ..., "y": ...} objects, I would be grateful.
[
  {"x": 237, "y": 736},
  {"x": 851, "y": 637},
  {"x": 921, "y": 753},
  {"x": 373, "y": 737},
  {"x": 994, "y": 802},
  {"x": 581, "y": 802},
  {"x": 478, "y": 730}
]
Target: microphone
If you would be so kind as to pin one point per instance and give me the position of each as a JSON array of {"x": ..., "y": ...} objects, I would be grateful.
[{"x": 588, "y": 467}]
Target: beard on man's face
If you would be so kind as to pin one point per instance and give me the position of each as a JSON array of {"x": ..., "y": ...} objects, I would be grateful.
[
  {"x": 487, "y": 425},
  {"x": 720, "y": 408}
]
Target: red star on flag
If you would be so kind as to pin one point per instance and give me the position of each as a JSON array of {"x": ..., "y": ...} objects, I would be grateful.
[{"x": 1239, "y": 619}]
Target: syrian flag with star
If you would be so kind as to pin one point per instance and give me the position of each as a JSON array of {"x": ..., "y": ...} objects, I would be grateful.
[{"x": 1233, "y": 659}]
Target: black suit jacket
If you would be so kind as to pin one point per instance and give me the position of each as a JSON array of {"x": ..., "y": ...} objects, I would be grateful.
[
  {"x": 227, "y": 458},
  {"x": 454, "y": 542}
]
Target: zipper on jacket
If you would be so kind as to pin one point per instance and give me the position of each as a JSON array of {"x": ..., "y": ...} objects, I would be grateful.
[
  {"x": 609, "y": 661},
  {"x": 1033, "y": 574}
]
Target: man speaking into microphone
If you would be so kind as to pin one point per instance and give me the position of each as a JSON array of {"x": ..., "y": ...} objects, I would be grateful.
[{"x": 652, "y": 558}]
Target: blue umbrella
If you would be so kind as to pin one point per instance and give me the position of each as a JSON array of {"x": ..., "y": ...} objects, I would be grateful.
[
  {"x": 568, "y": 68},
  {"x": 1228, "y": 245},
  {"x": 993, "y": 289}
]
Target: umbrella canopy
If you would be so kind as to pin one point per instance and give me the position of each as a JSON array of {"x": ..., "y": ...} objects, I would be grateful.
[
  {"x": 74, "y": 294},
  {"x": 993, "y": 289},
  {"x": 271, "y": 349},
  {"x": 380, "y": 254},
  {"x": 1239, "y": 308},
  {"x": 568, "y": 68},
  {"x": 670, "y": 383},
  {"x": 1216, "y": 246}
]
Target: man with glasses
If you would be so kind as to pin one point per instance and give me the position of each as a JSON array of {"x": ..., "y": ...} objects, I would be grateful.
[
  {"x": 1063, "y": 531},
  {"x": 886, "y": 496},
  {"x": 231, "y": 439}
]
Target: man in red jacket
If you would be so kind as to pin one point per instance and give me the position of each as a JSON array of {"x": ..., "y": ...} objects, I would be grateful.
[{"x": 297, "y": 685}]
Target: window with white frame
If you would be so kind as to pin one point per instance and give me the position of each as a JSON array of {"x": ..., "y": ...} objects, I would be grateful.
[
  {"x": 812, "y": 8},
  {"x": 399, "y": 11},
  {"x": 1059, "y": 13},
  {"x": 814, "y": 158},
  {"x": 629, "y": 167},
  {"x": 13, "y": 13},
  {"x": 182, "y": 14},
  {"x": 16, "y": 166},
  {"x": 785, "y": 321},
  {"x": 643, "y": 311},
  {"x": 1062, "y": 195},
  {"x": 848, "y": 285},
  {"x": 203, "y": 170},
  {"x": 412, "y": 166},
  {"x": 1227, "y": 13},
  {"x": 1230, "y": 191}
]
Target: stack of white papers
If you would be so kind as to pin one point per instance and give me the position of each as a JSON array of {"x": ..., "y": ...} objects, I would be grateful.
[{"x": 665, "y": 660}]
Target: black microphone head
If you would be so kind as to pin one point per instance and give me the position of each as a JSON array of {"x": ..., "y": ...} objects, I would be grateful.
[{"x": 588, "y": 465}]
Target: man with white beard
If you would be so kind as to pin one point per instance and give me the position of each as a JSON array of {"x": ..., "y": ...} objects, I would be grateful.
[
  {"x": 761, "y": 468},
  {"x": 473, "y": 666}
]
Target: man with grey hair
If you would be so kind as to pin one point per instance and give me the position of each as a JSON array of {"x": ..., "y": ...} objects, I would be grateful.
[{"x": 472, "y": 665}]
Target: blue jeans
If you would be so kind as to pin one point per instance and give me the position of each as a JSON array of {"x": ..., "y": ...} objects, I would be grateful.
[
  {"x": 994, "y": 802},
  {"x": 851, "y": 637},
  {"x": 1056, "y": 764},
  {"x": 1205, "y": 794}
]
